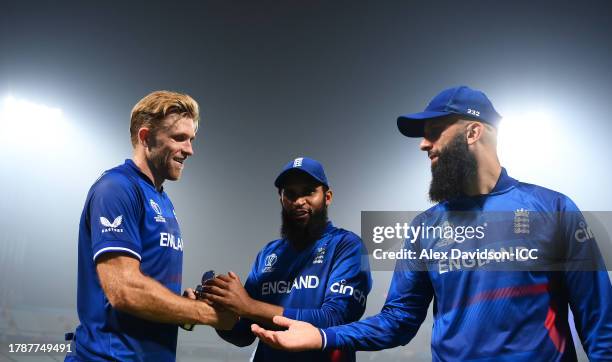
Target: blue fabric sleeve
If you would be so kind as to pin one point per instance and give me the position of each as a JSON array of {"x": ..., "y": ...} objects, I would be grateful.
[
  {"x": 240, "y": 335},
  {"x": 589, "y": 289},
  {"x": 346, "y": 292},
  {"x": 405, "y": 309},
  {"x": 115, "y": 211}
]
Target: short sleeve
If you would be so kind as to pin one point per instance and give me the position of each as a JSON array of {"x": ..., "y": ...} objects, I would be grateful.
[{"x": 114, "y": 215}]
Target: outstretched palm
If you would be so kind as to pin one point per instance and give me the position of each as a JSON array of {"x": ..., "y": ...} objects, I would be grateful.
[{"x": 299, "y": 336}]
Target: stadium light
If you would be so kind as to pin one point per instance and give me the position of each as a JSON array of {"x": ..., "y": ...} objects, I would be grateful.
[
  {"x": 526, "y": 137},
  {"x": 30, "y": 124}
]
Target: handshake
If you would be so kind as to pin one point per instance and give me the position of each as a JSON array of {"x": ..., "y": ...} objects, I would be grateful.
[{"x": 225, "y": 294}]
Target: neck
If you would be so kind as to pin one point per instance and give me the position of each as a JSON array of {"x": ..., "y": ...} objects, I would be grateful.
[
  {"x": 141, "y": 162},
  {"x": 488, "y": 171}
]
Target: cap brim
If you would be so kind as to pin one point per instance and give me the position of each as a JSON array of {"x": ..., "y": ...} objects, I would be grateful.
[{"x": 413, "y": 125}]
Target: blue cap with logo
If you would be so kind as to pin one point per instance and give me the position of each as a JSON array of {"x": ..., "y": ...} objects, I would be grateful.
[
  {"x": 302, "y": 164},
  {"x": 461, "y": 100}
]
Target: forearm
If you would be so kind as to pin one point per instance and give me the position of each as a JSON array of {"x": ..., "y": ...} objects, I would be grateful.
[
  {"x": 375, "y": 333},
  {"x": 148, "y": 299},
  {"x": 262, "y": 312},
  {"x": 327, "y": 315},
  {"x": 590, "y": 296}
]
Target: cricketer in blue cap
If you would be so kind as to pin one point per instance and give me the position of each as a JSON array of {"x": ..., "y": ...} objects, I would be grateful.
[
  {"x": 480, "y": 315},
  {"x": 461, "y": 101},
  {"x": 314, "y": 273}
]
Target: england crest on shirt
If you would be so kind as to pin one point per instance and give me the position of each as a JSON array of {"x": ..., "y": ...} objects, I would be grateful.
[
  {"x": 319, "y": 256},
  {"x": 521, "y": 221}
]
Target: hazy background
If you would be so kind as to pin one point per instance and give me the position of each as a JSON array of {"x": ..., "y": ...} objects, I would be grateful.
[{"x": 275, "y": 80}]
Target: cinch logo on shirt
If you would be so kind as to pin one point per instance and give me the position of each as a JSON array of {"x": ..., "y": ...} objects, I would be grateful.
[
  {"x": 583, "y": 233},
  {"x": 111, "y": 226},
  {"x": 342, "y": 288},
  {"x": 286, "y": 287},
  {"x": 170, "y": 241}
]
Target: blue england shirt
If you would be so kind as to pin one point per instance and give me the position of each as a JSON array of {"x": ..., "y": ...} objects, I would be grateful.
[
  {"x": 485, "y": 315},
  {"x": 325, "y": 284},
  {"x": 125, "y": 213}
]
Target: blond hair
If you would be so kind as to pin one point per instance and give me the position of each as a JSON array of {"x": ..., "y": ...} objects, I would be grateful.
[{"x": 156, "y": 106}]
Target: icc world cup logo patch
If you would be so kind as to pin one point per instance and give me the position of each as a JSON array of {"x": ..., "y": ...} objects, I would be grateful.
[{"x": 269, "y": 263}]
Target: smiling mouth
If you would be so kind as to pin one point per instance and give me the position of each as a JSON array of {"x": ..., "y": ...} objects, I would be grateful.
[{"x": 300, "y": 214}]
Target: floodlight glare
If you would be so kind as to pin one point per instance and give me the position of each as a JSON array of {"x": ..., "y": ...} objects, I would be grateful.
[
  {"x": 33, "y": 124},
  {"x": 523, "y": 137}
]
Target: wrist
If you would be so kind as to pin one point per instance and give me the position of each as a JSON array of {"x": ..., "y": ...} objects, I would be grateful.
[
  {"x": 250, "y": 308},
  {"x": 205, "y": 314}
]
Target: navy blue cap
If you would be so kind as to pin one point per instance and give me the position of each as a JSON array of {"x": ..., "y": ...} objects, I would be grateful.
[
  {"x": 304, "y": 164},
  {"x": 462, "y": 100}
]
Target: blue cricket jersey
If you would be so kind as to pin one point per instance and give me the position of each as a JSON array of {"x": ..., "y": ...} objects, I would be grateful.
[
  {"x": 325, "y": 284},
  {"x": 125, "y": 213},
  {"x": 482, "y": 315}
]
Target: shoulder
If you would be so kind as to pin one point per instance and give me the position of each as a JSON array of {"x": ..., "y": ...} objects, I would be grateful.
[
  {"x": 114, "y": 179},
  {"x": 115, "y": 185},
  {"x": 270, "y": 250},
  {"x": 431, "y": 213},
  {"x": 346, "y": 241},
  {"x": 346, "y": 236},
  {"x": 273, "y": 247},
  {"x": 550, "y": 200}
]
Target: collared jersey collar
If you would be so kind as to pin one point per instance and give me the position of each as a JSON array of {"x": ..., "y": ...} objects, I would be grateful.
[
  {"x": 504, "y": 183},
  {"x": 132, "y": 166},
  {"x": 329, "y": 227}
]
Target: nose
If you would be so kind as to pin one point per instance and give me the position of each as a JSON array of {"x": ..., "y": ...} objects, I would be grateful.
[
  {"x": 425, "y": 145},
  {"x": 299, "y": 201},
  {"x": 188, "y": 149}
]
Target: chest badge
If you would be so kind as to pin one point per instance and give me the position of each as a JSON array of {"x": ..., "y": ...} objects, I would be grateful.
[
  {"x": 521, "y": 221},
  {"x": 319, "y": 256},
  {"x": 158, "y": 211},
  {"x": 269, "y": 263}
]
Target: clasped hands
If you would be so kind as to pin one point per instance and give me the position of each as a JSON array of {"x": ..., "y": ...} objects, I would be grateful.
[{"x": 226, "y": 293}]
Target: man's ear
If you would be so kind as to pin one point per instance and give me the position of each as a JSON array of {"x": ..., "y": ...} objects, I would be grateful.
[
  {"x": 143, "y": 136},
  {"x": 329, "y": 195},
  {"x": 474, "y": 131}
]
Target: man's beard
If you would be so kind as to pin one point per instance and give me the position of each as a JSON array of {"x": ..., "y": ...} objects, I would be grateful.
[
  {"x": 454, "y": 170},
  {"x": 304, "y": 234},
  {"x": 160, "y": 164}
]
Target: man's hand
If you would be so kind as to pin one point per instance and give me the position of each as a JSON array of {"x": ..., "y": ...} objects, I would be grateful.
[
  {"x": 189, "y": 293},
  {"x": 223, "y": 319},
  {"x": 228, "y": 292},
  {"x": 299, "y": 336}
]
